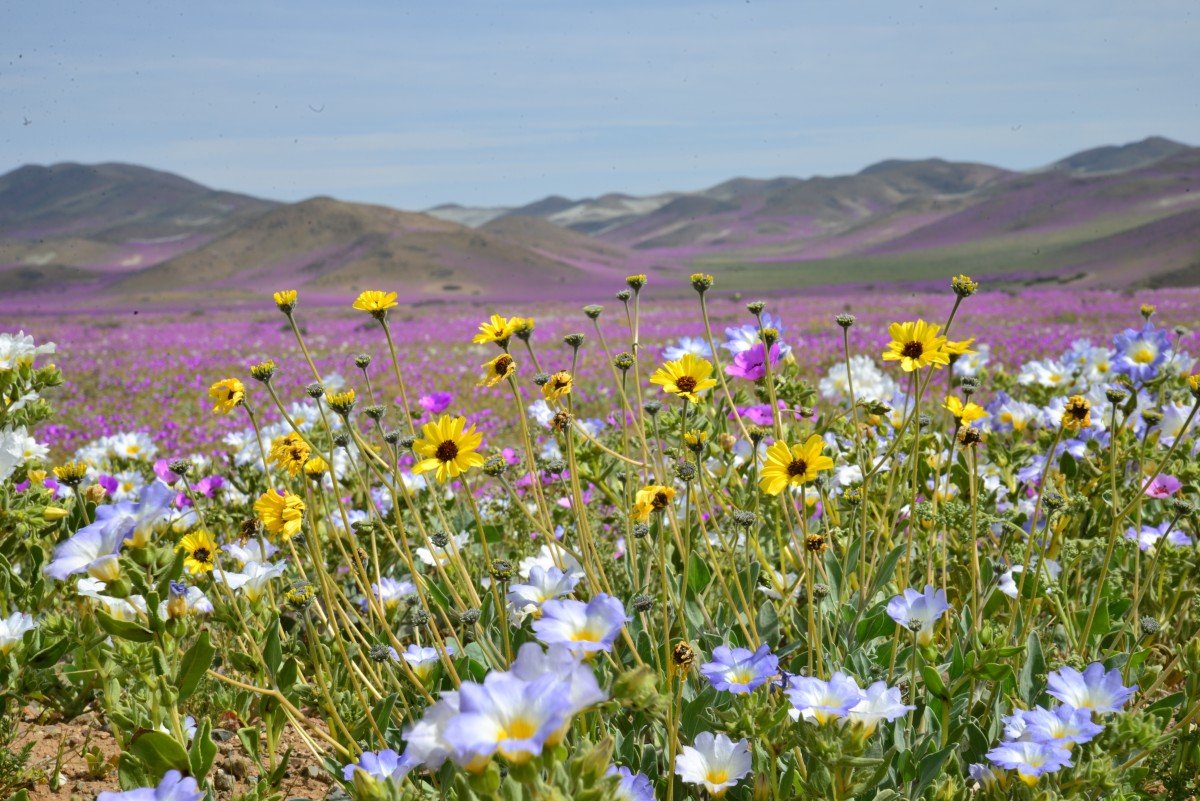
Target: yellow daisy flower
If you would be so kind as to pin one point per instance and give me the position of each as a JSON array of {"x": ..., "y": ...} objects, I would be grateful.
[
  {"x": 964, "y": 412},
  {"x": 686, "y": 377},
  {"x": 793, "y": 465},
  {"x": 497, "y": 370},
  {"x": 289, "y": 452},
  {"x": 375, "y": 302},
  {"x": 960, "y": 347},
  {"x": 282, "y": 515},
  {"x": 916, "y": 345},
  {"x": 1078, "y": 413},
  {"x": 285, "y": 299},
  {"x": 652, "y": 498},
  {"x": 447, "y": 448},
  {"x": 227, "y": 394},
  {"x": 201, "y": 549},
  {"x": 315, "y": 468},
  {"x": 561, "y": 383},
  {"x": 497, "y": 329}
]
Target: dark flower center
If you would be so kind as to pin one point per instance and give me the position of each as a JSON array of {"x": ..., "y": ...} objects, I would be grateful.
[
  {"x": 446, "y": 451},
  {"x": 660, "y": 500},
  {"x": 562, "y": 383},
  {"x": 685, "y": 383},
  {"x": 502, "y": 364},
  {"x": 913, "y": 350},
  {"x": 797, "y": 467},
  {"x": 202, "y": 555}
]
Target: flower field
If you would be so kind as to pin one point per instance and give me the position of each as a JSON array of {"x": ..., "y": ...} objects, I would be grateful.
[{"x": 871, "y": 545}]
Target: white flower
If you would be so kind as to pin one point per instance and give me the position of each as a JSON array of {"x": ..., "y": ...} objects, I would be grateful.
[
  {"x": 254, "y": 578},
  {"x": 1008, "y": 580},
  {"x": 969, "y": 364},
  {"x": 879, "y": 702},
  {"x": 440, "y": 556},
  {"x": 543, "y": 585},
  {"x": 547, "y": 557},
  {"x": 693, "y": 345},
  {"x": 869, "y": 381},
  {"x": 18, "y": 349},
  {"x": 714, "y": 761},
  {"x": 13, "y": 628},
  {"x": 17, "y": 447}
]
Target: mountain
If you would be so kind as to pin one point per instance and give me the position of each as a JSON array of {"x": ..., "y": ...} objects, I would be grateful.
[{"x": 118, "y": 235}]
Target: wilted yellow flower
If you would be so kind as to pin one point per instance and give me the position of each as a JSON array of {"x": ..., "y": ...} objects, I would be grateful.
[
  {"x": 636, "y": 282},
  {"x": 1078, "y": 413},
  {"x": 286, "y": 300},
  {"x": 281, "y": 515},
  {"x": 448, "y": 449},
  {"x": 793, "y": 465},
  {"x": 916, "y": 345},
  {"x": 375, "y": 302},
  {"x": 201, "y": 551},
  {"x": 964, "y": 412},
  {"x": 652, "y": 498},
  {"x": 561, "y": 383},
  {"x": 687, "y": 377},
  {"x": 497, "y": 370},
  {"x": 498, "y": 330},
  {"x": 227, "y": 394},
  {"x": 289, "y": 452},
  {"x": 1148, "y": 310}
]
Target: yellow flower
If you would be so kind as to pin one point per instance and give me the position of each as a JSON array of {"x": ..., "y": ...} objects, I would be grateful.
[
  {"x": 286, "y": 300},
  {"x": 522, "y": 327},
  {"x": 497, "y": 329},
  {"x": 342, "y": 402},
  {"x": 447, "y": 448},
  {"x": 793, "y": 465},
  {"x": 958, "y": 348},
  {"x": 561, "y": 383},
  {"x": 964, "y": 412},
  {"x": 497, "y": 370},
  {"x": 316, "y": 467},
  {"x": 686, "y": 377},
  {"x": 375, "y": 302},
  {"x": 227, "y": 394},
  {"x": 636, "y": 282},
  {"x": 1078, "y": 413},
  {"x": 71, "y": 473},
  {"x": 1193, "y": 382},
  {"x": 282, "y": 515},
  {"x": 201, "y": 549},
  {"x": 916, "y": 345},
  {"x": 963, "y": 285},
  {"x": 289, "y": 452},
  {"x": 652, "y": 498}
]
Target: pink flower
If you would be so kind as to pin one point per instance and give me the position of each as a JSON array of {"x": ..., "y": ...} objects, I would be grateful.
[
  {"x": 1162, "y": 487},
  {"x": 750, "y": 364},
  {"x": 436, "y": 403}
]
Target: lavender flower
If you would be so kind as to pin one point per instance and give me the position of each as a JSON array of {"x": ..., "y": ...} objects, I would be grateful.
[
  {"x": 505, "y": 715},
  {"x": 919, "y": 611},
  {"x": 1141, "y": 353},
  {"x": 740, "y": 670},
  {"x": 582, "y": 627},
  {"x": 173, "y": 787},
  {"x": 1029, "y": 759},
  {"x": 385, "y": 765},
  {"x": 879, "y": 702},
  {"x": 1094, "y": 689},
  {"x": 823, "y": 701}
]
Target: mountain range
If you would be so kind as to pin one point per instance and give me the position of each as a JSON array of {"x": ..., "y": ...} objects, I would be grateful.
[{"x": 118, "y": 235}]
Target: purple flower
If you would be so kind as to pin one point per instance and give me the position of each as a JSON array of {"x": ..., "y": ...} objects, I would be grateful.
[
  {"x": 632, "y": 786},
  {"x": 582, "y": 627},
  {"x": 577, "y": 682},
  {"x": 740, "y": 670},
  {"x": 92, "y": 550},
  {"x": 164, "y": 473},
  {"x": 382, "y": 766},
  {"x": 1062, "y": 725},
  {"x": 1093, "y": 689},
  {"x": 425, "y": 741},
  {"x": 823, "y": 701},
  {"x": 173, "y": 787},
  {"x": 436, "y": 402},
  {"x": 109, "y": 483},
  {"x": 1030, "y": 759},
  {"x": 750, "y": 364},
  {"x": 919, "y": 611},
  {"x": 505, "y": 715},
  {"x": 1164, "y": 486},
  {"x": 209, "y": 485},
  {"x": 1141, "y": 353}
]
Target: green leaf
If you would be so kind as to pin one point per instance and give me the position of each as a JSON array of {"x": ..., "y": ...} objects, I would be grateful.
[
  {"x": 272, "y": 650},
  {"x": 123, "y": 629},
  {"x": 249, "y": 738},
  {"x": 931, "y": 767},
  {"x": 159, "y": 753},
  {"x": 699, "y": 576},
  {"x": 49, "y": 655},
  {"x": 194, "y": 665},
  {"x": 933, "y": 681},
  {"x": 1031, "y": 670},
  {"x": 203, "y": 751},
  {"x": 130, "y": 773}
]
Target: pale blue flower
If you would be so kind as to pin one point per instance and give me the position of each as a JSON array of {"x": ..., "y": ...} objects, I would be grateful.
[
  {"x": 173, "y": 787},
  {"x": 740, "y": 670},
  {"x": 1094, "y": 689}
]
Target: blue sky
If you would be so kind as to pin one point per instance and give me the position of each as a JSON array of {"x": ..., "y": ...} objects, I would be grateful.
[{"x": 417, "y": 102}]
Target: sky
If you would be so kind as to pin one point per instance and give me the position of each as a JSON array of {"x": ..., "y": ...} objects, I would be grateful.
[{"x": 413, "y": 103}]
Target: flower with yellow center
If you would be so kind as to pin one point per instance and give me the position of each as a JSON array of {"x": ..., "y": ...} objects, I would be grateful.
[
  {"x": 375, "y": 302},
  {"x": 448, "y": 449},
  {"x": 687, "y": 377},
  {"x": 227, "y": 394},
  {"x": 1078, "y": 413},
  {"x": 964, "y": 412},
  {"x": 281, "y": 514},
  {"x": 916, "y": 345},
  {"x": 561, "y": 383},
  {"x": 497, "y": 370},
  {"x": 289, "y": 452},
  {"x": 793, "y": 465},
  {"x": 285, "y": 299},
  {"x": 498, "y": 330},
  {"x": 201, "y": 550},
  {"x": 651, "y": 498},
  {"x": 315, "y": 468}
]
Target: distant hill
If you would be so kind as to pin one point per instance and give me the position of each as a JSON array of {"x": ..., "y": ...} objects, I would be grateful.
[{"x": 120, "y": 235}]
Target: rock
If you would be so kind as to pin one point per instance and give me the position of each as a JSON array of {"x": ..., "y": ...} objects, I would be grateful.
[
  {"x": 315, "y": 772},
  {"x": 238, "y": 766},
  {"x": 222, "y": 781},
  {"x": 73, "y": 741},
  {"x": 50, "y": 731},
  {"x": 222, "y": 735}
]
